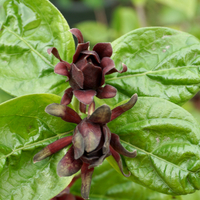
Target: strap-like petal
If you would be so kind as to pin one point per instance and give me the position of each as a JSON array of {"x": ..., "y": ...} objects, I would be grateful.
[
  {"x": 92, "y": 53},
  {"x": 52, "y": 148},
  {"x": 86, "y": 176},
  {"x": 78, "y": 142},
  {"x": 103, "y": 49},
  {"x": 116, "y": 112},
  {"x": 65, "y": 112},
  {"x": 54, "y": 51},
  {"x": 68, "y": 165},
  {"x": 76, "y": 77},
  {"x": 101, "y": 115},
  {"x": 85, "y": 96},
  {"x": 117, "y": 158},
  {"x": 82, "y": 107},
  {"x": 62, "y": 69},
  {"x": 81, "y": 47},
  {"x": 67, "y": 97},
  {"x": 107, "y": 137},
  {"x": 106, "y": 92},
  {"x": 77, "y": 33},
  {"x": 115, "y": 143}
]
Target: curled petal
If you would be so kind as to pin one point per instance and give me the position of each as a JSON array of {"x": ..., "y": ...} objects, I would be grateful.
[
  {"x": 116, "y": 112},
  {"x": 82, "y": 61},
  {"x": 86, "y": 176},
  {"x": 62, "y": 69},
  {"x": 106, "y": 92},
  {"x": 107, "y": 137},
  {"x": 103, "y": 49},
  {"x": 91, "y": 134},
  {"x": 52, "y": 148},
  {"x": 54, "y": 51},
  {"x": 67, "y": 97},
  {"x": 65, "y": 112},
  {"x": 77, "y": 33},
  {"x": 78, "y": 143},
  {"x": 85, "y": 96},
  {"x": 82, "y": 107},
  {"x": 68, "y": 165},
  {"x": 101, "y": 115},
  {"x": 81, "y": 47},
  {"x": 77, "y": 78},
  {"x": 91, "y": 108},
  {"x": 92, "y": 53},
  {"x": 92, "y": 76},
  {"x": 115, "y": 143},
  {"x": 117, "y": 158}
]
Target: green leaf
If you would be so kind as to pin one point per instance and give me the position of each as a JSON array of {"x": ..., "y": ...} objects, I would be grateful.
[
  {"x": 4, "y": 96},
  {"x": 27, "y": 29},
  {"x": 116, "y": 186},
  {"x": 162, "y": 62},
  {"x": 25, "y": 129},
  {"x": 166, "y": 138},
  {"x": 187, "y": 7}
]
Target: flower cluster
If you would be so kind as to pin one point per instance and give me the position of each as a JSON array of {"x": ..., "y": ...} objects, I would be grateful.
[{"x": 92, "y": 140}]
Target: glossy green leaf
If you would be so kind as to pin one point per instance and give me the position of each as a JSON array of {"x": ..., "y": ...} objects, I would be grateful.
[
  {"x": 4, "y": 96},
  {"x": 166, "y": 138},
  {"x": 25, "y": 129},
  {"x": 27, "y": 29},
  {"x": 162, "y": 62},
  {"x": 107, "y": 184}
]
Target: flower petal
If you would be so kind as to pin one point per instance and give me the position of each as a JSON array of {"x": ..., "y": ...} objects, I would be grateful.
[
  {"x": 62, "y": 69},
  {"x": 86, "y": 176},
  {"x": 101, "y": 115},
  {"x": 81, "y": 47},
  {"x": 117, "y": 158},
  {"x": 91, "y": 108},
  {"x": 77, "y": 33},
  {"x": 85, "y": 96},
  {"x": 115, "y": 143},
  {"x": 92, "y": 76},
  {"x": 91, "y": 134},
  {"x": 68, "y": 165},
  {"x": 106, "y": 92},
  {"x": 65, "y": 112},
  {"x": 107, "y": 137},
  {"x": 103, "y": 49},
  {"x": 78, "y": 143},
  {"x": 67, "y": 97},
  {"x": 54, "y": 51},
  {"x": 76, "y": 77},
  {"x": 82, "y": 107},
  {"x": 92, "y": 53},
  {"x": 52, "y": 148},
  {"x": 116, "y": 112}
]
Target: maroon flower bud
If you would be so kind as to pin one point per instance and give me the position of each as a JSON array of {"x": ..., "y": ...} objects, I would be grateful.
[{"x": 86, "y": 74}]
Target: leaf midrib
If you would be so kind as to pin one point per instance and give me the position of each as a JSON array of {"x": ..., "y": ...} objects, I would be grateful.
[
  {"x": 149, "y": 153},
  {"x": 31, "y": 48},
  {"x": 148, "y": 72}
]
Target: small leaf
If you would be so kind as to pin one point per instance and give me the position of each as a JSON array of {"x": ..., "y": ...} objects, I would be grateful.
[
  {"x": 161, "y": 62},
  {"x": 4, "y": 96},
  {"x": 27, "y": 30},
  {"x": 166, "y": 138},
  {"x": 25, "y": 129}
]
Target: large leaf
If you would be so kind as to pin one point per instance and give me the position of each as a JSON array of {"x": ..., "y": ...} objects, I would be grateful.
[
  {"x": 27, "y": 29},
  {"x": 166, "y": 138},
  {"x": 107, "y": 184},
  {"x": 162, "y": 62},
  {"x": 24, "y": 130}
]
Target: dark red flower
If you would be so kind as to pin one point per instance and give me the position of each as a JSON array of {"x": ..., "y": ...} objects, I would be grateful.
[
  {"x": 86, "y": 74},
  {"x": 92, "y": 142}
]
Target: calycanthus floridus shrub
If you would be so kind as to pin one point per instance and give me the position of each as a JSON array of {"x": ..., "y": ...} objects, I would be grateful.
[{"x": 121, "y": 102}]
